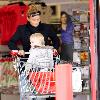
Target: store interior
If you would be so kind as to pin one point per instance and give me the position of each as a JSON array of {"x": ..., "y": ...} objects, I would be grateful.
[{"x": 80, "y": 14}]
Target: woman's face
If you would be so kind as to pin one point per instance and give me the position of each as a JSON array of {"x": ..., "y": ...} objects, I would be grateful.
[
  {"x": 63, "y": 19},
  {"x": 34, "y": 21}
]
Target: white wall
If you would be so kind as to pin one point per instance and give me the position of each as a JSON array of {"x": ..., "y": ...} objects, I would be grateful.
[
  {"x": 74, "y": 6},
  {"x": 62, "y": 1}
]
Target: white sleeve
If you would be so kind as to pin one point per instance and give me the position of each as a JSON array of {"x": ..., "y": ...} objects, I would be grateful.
[
  {"x": 31, "y": 56},
  {"x": 30, "y": 60}
]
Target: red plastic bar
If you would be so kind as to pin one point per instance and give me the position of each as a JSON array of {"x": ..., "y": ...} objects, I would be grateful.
[
  {"x": 92, "y": 50},
  {"x": 63, "y": 74}
]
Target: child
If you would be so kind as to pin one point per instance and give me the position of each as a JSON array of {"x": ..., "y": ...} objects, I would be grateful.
[{"x": 41, "y": 56}]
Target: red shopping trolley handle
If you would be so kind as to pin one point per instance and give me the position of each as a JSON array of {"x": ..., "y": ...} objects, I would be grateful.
[{"x": 14, "y": 52}]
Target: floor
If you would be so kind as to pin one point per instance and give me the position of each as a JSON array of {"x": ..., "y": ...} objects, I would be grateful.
[{"x": 16, "y": 97}]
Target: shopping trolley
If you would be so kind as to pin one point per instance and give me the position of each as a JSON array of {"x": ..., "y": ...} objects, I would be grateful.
[{"x": 36, "y": 82}]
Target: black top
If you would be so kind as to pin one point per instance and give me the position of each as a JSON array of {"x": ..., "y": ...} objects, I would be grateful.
[{"x": 23, "y": 33}]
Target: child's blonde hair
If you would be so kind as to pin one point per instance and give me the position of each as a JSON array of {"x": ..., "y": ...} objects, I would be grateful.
[{"x": 38, "y": 37}]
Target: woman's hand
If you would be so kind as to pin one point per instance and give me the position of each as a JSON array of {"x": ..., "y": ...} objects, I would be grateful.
[
  {"x": 21, "y": 52},
  {"x": 55, "y": 52}
]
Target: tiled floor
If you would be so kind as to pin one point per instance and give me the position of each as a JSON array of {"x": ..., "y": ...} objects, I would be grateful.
[
  {"x": 16, "y": 97},
  {"x": 10, "y": 97}
]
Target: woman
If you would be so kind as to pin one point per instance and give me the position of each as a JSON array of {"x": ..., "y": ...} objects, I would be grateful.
[
  {"x": 33, "y": 25},
  {"x": 66, "y": 30}
]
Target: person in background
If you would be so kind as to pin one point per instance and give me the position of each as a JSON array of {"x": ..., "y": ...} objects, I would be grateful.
[
  {"x": 33, "y": 25},
  {"x": 66, "y": 29}
]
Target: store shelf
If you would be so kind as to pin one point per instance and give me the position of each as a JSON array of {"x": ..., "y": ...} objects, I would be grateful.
[
  {"x": 82, "y": 49},
  {"x": 86, "y": 92}
]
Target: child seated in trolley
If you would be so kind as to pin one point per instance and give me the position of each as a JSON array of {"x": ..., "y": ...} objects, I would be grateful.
[{"x": 40, "y": 56}]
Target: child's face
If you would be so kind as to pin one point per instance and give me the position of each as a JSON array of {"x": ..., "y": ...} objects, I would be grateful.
[{"x": 35, "y": 42}]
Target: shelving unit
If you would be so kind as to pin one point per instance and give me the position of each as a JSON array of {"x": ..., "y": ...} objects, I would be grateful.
[{"x": 82, "y": 49}]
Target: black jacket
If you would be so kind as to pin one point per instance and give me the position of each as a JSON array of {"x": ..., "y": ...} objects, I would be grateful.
[{"x": 23, "y": 33}]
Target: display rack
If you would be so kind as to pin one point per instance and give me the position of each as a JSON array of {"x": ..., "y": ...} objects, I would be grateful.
[{"x": 81, "y": 54}]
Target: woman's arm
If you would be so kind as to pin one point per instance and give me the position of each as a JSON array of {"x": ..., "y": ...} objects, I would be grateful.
[
  {"x": 54, "y": 38},
  {"x": 16, "y": 37}
]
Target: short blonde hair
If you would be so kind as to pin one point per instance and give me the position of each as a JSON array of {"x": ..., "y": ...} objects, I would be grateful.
[
  {"x": 39, "y": 37},
  {"x": 33, "y": 9}
]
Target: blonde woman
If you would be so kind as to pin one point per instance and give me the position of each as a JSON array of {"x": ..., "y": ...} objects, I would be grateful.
[{"x": 33, "y": 25}]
